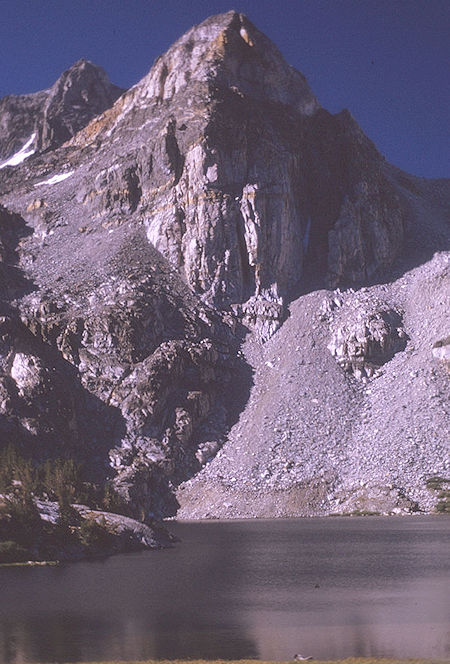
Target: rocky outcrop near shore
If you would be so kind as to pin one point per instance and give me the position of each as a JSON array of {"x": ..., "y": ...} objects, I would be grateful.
[{"x": 126, "y": 534}]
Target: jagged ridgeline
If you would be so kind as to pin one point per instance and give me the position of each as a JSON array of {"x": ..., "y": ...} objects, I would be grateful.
[{"x": 144, "y": 232}]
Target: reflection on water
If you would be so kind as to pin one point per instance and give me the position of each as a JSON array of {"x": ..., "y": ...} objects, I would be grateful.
[{"x": 266, "y": 589}]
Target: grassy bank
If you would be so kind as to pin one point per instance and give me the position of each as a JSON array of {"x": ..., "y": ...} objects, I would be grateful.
[{"x": 32, "y": 563}]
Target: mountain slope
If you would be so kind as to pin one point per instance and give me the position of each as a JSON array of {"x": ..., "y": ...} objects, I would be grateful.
[{"x": 215, "y": 199}]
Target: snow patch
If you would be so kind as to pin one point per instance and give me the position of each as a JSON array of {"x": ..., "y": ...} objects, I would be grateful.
[
  {"x": 55, "y": 178},
  {"x": 21, "y": 155}
]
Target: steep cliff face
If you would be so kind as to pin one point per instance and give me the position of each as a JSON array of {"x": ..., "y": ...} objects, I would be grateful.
[
  {"x": 242, "y": 181},
  {"x": 138, "y": 236}
]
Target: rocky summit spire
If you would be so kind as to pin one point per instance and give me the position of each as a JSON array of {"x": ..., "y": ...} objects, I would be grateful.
[
  {"x": 227, "y": 50},
  {"x": 224, "y": 53}
]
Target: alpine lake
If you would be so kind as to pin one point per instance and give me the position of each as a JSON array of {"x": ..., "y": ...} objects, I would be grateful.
[{"x": 327, "y": 588}]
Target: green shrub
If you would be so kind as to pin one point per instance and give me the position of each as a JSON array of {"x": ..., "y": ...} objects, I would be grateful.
[
  {"x": 94, "y": 535},
  {"x": 8, "y": 464},
  {"x": 23, "y": 522},
  {"x": 441, "y": 486},
  {"x": 113, "y": 502},
  {"x": 11, "y": 552},
  {"x": 364, "y": 513},
  {"x": 443, "y": 506},
  {"x": 60, "y": 480},
  {"x": 14, "y": 469},
  {"x": 435, "y": 483}
]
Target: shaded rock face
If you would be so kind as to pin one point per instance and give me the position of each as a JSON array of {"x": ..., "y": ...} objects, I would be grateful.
[
  {"x": 42, "y": 406},
  {"x": 18, "y": 115},
  {"x": 132, "y": 394},
  {"x": 121, "y": 368},
  {"x": 12, "y": 229},
  {"x": 80, "y": 93},
  {"x": 208, "y": 195}
]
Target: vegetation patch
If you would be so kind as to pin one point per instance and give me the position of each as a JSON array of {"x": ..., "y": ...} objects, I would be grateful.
[
  {"x": 11, "y": 552},
  {"x": 436, "y": 482},
  {"x": 441, "y": 486},
  {"x": 25, "y": 536},
  {"x": 62, "y": 480},
  {"x": 364, "y": 513}
]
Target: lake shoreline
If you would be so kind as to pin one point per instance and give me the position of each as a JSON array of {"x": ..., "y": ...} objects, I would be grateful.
[
  {"x": 348, "y": 660},
  {"x": 322, "y": 517}
]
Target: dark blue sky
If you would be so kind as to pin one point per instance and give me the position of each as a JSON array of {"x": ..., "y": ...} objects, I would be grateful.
[{"x": 385, "y": 60}]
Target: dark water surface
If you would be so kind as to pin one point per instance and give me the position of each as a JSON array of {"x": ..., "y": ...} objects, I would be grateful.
[{"x": 329, "y": 588}]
